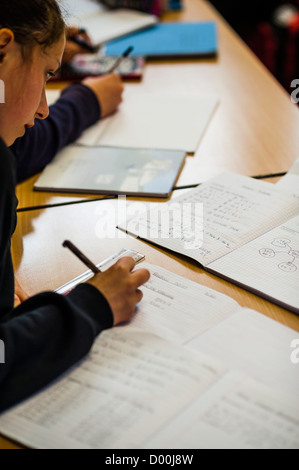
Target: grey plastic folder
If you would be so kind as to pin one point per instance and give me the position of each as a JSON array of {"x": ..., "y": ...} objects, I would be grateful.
[{"x": 109, "y": 170}]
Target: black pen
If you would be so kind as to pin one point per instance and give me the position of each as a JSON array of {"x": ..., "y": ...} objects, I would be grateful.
[
  {"x": 81, "y": 256},
  {"x": 83, "y": 43},
  {"x": 118, "y": 61},
  {"x": 270, "y": 175}
]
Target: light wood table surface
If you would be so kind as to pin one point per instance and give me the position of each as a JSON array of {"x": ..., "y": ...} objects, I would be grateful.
[
  {"x": 254, "y": 129},
  {"x": 41, "y": 263}
]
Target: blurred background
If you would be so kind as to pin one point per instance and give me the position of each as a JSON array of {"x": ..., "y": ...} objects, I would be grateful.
[{"x": 271, "y": 30}]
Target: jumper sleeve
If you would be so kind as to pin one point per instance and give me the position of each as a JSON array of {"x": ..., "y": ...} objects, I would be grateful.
[
  {"x": 8, "y": 204},
  {"x": 75, "y": 110},
  {"x": 45, "y": 336}
]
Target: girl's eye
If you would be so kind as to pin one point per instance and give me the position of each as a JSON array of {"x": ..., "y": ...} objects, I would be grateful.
[{"x": 50, "y": 75}]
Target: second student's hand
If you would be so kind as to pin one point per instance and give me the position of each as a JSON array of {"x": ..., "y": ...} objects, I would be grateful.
[
  {"x": 108, "y": 90},
  {"x": 77, "y": 42},
  {"x": 120, "y": 286}
]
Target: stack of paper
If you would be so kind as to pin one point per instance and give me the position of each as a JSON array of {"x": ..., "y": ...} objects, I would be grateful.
[{"x": 191, "y": 370}]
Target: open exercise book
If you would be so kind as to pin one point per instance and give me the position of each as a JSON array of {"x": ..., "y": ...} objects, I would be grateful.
[
  {"x": 192, "y": 369},
  {"x": 239, "y": 228}
]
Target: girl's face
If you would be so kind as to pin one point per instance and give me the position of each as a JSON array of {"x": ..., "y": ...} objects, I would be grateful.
[{"x": 24, "y": 86}]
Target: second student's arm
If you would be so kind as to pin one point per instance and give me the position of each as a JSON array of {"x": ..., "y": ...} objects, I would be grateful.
[{"x": 80, "y": 106}]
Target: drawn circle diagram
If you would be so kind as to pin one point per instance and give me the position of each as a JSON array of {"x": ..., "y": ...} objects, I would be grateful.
[
  {"x": 285, "y": 250},
  {"x": 267, "y": 252},
  {"x": 281, "y": 242},
  {"x": 287, "y": 267},
  {"x": 294, "y": 253}
]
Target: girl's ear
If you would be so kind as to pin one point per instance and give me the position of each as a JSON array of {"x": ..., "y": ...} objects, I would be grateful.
[{"x": 6, "y": 38}]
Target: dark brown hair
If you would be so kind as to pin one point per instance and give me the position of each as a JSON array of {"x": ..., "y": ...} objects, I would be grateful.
[{"x": 32, "y": 22}]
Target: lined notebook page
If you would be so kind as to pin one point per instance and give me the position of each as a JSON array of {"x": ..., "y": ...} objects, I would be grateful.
[
  {"x": 116, "y": 398},
  {"x": 272, "y": 264},
  {"x": 234, "y": 414},
  {"x": 257, "y": 346},
  {"x": 178, "y": 309},
  {"x": 215, "y": 218},
  {"x": 137, "y": 391}
]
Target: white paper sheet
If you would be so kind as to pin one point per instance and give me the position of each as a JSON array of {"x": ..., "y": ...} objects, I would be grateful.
[{"x": 154, "y": 120}]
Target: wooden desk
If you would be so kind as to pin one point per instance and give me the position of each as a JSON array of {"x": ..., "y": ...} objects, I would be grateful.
[
  {"x": 255, "y": 127},
  {"x": 254, "y": 131},
  {"x": 41, "y": 263}
]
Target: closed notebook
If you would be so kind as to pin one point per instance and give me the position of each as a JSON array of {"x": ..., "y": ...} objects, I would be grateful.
[
  {"x": 109, "y": 170},
  {"x": 103, "y": 24},
  {"x": 190, "y": 39},
  {"x": 156, "y": 120}
]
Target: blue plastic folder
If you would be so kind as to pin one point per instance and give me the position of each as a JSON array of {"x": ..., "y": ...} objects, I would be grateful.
[{"x": 189, "y": 39}]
